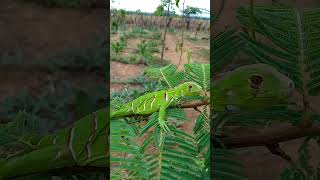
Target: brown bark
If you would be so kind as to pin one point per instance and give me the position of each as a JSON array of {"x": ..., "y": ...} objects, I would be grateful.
[
  {"x": 164, "y": 36},
  {"x": 272, "y": 135}
]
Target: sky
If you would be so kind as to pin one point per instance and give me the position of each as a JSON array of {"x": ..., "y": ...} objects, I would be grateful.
[{"x": 151, "y": 5}]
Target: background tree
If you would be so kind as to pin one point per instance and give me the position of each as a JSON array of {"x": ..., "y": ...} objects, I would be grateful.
[
  {"x": 189, "y": 12},
  {"x": 140, "y": 14},
  {"x": 159, "y": 11},
  {"x": 168, "y": 5},
  {"x": 179, "y": 46},
  {"x": 121, "y": 15}
]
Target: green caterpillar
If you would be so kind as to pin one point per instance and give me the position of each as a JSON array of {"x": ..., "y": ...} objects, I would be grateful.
[
  {"x": 158, "y": 101},
  {"x": 85, "y": 143}
]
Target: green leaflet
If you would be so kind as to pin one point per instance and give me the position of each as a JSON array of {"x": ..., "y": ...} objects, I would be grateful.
[
  {"x": 199, "y": 73},
  {"x": 167, "y": 74},
  {"x": 177, "y": 3}
]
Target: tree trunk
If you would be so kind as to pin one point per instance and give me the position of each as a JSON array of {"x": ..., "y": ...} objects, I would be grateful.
[
  {"x": 188, "y": 24},
  {"x": 164, "y": 36},
  {"x": 182, "y": 37},
  {"x": 165, "y": 31},
  {"x": 198, "y": 28}
]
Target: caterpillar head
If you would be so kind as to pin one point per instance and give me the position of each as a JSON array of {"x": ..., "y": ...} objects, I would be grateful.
[
  {"x": 250, "y": 87},
  {"x": 191, "y": 89}
]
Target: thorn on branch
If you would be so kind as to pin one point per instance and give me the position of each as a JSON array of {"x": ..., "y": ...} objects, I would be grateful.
[
  {"x": 197, "y": 109},
  {"x": 276, "y": 150}
]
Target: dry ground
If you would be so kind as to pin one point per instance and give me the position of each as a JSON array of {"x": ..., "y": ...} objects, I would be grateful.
[
  {"x": 34, "y": 31},
  {"x": 120, "y": 71}
]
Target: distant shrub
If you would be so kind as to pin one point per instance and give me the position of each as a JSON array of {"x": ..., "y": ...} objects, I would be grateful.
[{"x": 118, "y": 47}]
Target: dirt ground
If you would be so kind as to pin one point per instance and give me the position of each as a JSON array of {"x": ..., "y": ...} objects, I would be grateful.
[
  {"x": 35, "y": 31},
  {"x": 174, "y": 57},
  {"x": 30, "y": 81},
  {"x": 31, "y": 31},
  {"x": 120, "y": 71}
]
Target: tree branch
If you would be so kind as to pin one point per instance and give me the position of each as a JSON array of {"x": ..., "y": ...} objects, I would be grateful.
[
  {"x": 272, "y": 135},
  {"x": 193, "y": 104},
  {"x": 70, "y": 171}
]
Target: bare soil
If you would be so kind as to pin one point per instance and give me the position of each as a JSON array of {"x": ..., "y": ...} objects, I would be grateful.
[
  {"x": 121, "y": 72},
  {"x": 37, "y": 31},
  {"x": 33, "y": 31},
  {"x": 174, "y": 57},
  {"x": 22, "y": 81}
]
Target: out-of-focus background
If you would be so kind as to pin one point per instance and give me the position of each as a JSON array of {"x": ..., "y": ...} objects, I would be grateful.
[
  {"x": 52, "y": 66},
  {"x": 259, "y": 163}
]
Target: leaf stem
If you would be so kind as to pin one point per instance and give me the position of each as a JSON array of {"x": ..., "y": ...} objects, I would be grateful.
[{"x": 252, "y": 21}]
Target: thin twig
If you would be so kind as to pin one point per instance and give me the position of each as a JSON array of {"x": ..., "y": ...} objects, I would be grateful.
[
  {"x": 182, "y": 33},
  {"x": 252, "y": 20},
  {"x": 27, "y": 143}
]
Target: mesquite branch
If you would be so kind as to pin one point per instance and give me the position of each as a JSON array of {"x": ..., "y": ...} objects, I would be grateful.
[{"x": 272, "y": 135}]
